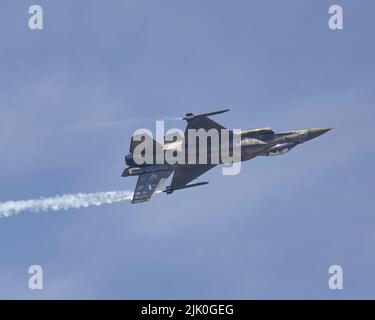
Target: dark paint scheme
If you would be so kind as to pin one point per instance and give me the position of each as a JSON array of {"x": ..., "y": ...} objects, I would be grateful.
[{"x": 254, "y": 142}]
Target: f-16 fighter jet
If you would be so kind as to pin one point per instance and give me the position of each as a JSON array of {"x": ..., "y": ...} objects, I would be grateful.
[{"x": 187, "y": 162}]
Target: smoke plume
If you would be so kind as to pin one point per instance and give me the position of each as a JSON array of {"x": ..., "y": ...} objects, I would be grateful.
[{"x": 67, "y": 201}]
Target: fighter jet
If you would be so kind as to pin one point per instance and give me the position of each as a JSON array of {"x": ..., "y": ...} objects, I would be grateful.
[{"x": 252, "y": 143}]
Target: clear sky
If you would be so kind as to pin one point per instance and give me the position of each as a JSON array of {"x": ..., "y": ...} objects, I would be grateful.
[{"x": 71, "y": 96}]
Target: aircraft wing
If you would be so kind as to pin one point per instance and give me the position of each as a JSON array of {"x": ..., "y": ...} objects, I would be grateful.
[
  {"x": 183, "y": 175},
  {"x": 147, "y": 184},
  {"x": 202, "y": 121}
]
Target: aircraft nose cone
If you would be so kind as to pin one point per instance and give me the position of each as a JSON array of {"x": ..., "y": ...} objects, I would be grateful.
[
  {"x": 320, "y": 131},
  {"x": 313, "y": 133}
]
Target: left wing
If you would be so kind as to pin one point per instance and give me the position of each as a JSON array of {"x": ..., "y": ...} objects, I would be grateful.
[
  {"x": 147, "y": 185},
  {"x": 183, "y": 175}
]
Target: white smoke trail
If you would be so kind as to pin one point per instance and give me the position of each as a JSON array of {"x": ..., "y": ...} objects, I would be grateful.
[
  {"x": 65, "y": 202},
  {"x": 170, "y": 118}
]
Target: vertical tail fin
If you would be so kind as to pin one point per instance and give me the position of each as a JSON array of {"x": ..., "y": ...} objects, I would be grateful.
[{"x": 143, "y": 138}]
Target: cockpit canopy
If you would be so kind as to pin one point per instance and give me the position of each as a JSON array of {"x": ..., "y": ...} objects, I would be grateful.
[{"x": 258, "y": 131}]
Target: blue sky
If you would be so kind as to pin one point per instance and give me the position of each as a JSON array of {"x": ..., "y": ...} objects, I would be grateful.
[{"x": 72, "y": 94}]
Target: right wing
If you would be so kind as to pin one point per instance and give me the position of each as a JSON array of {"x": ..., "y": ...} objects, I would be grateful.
[
  {"x": 202, "y": 121},
  {"x": 147, "y": 184}
]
